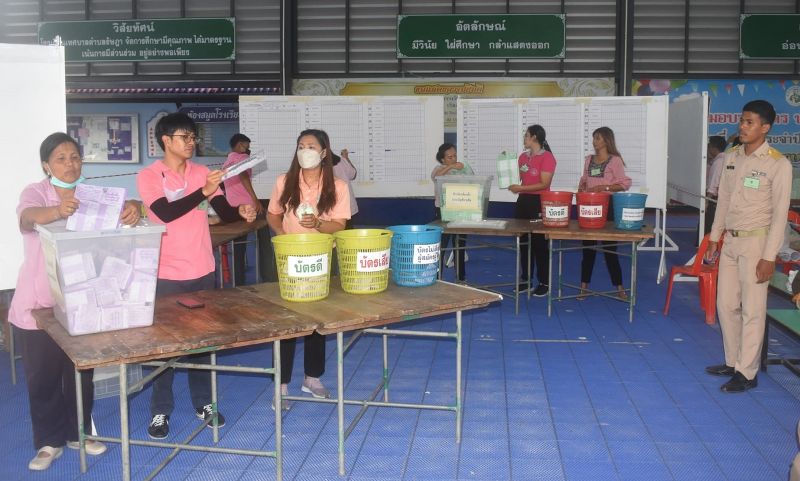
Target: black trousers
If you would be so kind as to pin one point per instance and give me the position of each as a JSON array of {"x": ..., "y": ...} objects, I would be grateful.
[
  {"x": 50, "y": 377},
  {"x": 162, "y": 400},
  {"x": 612, "y": 259},
  {"x": 448, "y": 239},
  {"x": 313, "y": 356},
  {"x": 529, "y": 206}
]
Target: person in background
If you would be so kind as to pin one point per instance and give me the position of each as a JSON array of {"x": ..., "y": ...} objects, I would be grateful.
[
  {"x": 50, "y": 373},
  {"x": 176, "y": 193},
  {"x": 447, "y": 157},
  {"x": 536, "y": 168},
  {"x": 603, "y": 172},
  {"x": 308, "y": 198},
  {"x": 239, "y": 190},
  {"x": 715, "y": 154},
  {"x": 752, "y": 212},
  {"x": 345, "y": 170}
]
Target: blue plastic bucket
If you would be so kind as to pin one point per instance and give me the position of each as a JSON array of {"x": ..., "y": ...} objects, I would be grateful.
[
  {"x": 629, "y": 210},
  {"x": 414, "y": 258}
]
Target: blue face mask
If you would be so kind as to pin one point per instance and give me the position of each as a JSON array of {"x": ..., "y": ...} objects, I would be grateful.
[{"x": 65, "y": 185}]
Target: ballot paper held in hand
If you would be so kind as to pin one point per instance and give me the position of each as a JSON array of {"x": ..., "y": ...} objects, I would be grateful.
[{"x": 240, "y": 167}]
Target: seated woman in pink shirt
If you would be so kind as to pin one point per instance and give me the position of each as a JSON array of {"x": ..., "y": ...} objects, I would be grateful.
[
  {"x": 308, "y": 199},
  {"x": 50, "y": 373},
  {"x": 603, "y": 172}
]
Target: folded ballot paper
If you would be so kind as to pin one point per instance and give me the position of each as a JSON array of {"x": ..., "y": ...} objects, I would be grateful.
[
  {"x": 99, "y": 209},
  {"x": 507, "y": 169},
  {"x": 239, "y": 167}
]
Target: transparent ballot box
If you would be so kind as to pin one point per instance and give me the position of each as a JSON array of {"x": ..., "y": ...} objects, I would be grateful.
[{"x": 463, "y": 197}]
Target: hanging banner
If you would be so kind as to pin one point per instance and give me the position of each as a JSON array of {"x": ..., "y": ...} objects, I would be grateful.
[{"x": 143, "y": 40}]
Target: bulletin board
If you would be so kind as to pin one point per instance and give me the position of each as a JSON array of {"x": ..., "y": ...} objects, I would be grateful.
[{"x": 106, "y": 138}]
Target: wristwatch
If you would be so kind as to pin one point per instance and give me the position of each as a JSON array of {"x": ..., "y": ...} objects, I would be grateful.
[{"x": 319, "y": 224}]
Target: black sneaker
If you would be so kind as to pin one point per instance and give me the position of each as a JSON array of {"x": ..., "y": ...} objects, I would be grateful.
[
  {"x": 541, "y": 290},
  {"x": 159, "y": 426},
  {"x": 205, "y": 414}
]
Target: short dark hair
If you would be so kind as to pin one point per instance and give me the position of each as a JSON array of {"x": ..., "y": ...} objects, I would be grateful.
[
  {"x": 52, "y": 141},
  {"x": 238, "y": 138},
  {"x": 171, "y": 123},
  {"x": 718, "y": 142},
  {"x": 763, "y": 109},
  {"x": 442, "y": 149}
]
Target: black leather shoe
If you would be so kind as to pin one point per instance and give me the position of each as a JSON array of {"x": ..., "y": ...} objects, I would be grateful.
[
  {"x": 720, "y": 370},
  {"x": 739, "y": 383}
]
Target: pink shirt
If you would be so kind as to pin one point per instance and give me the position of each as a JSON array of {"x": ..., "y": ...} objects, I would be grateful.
[
  {"x": 532, "y": 166},
  {"x": 186, "y": 251},
  {"x": 347, "y": 173},
  {"x": 607, "y": 173},
  {"x": 309, "y": 195},
  {"x": 33, "y": 289},
  {"x": 234, "y": 189}
]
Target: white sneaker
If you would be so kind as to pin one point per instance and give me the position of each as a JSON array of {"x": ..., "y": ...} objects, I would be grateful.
[
  {"x": 285, "y": 403},
  {"x": 93, "y": 448},
  {"x": 313, "y": 386},
  {"x": 44, "y": 458}
]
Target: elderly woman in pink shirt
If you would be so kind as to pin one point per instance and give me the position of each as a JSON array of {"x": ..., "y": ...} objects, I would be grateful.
[
  {"x": 49, "y": 372},
  {"x": 603, "y": 172},
  {"x": 308, "y": 198}
]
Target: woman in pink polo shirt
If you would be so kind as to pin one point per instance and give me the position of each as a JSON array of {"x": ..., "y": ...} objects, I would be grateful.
[
  {"x": 603, "y": 172},
  {"x": 308, "y": 199},
  {"x": 536, "y": 168},
  {"x": 49, "y": 372},
  {"x": 177, "y": 192}
]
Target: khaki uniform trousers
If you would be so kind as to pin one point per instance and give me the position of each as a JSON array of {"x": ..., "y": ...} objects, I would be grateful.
[{"x": 742, "y": 303}]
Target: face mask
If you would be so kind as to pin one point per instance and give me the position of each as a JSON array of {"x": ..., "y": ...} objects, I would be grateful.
[
  {"x": 172, "y": 195},
  {"x": 65, "y": 185},
  {"x": 308, "y": 158}
]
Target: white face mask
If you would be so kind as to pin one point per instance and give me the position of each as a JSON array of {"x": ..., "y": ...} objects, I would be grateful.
[
  {"x": 308, "y": 158},
  {"x": 172, "y": 195}
]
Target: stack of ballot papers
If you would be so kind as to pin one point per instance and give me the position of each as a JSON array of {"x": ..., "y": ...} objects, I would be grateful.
[{"x": 99, "y": 208}]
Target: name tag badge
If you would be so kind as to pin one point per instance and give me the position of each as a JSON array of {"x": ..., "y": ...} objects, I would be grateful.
[
  {"x": 203, "y": 205},
  {"x": 751, "y": 182},
  {"x": 594, "y": 172}
]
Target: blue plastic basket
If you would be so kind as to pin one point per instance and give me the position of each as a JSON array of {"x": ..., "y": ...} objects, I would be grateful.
[
  {"x": 415, "y": 254},
  {"x": 629, "y": 210}
]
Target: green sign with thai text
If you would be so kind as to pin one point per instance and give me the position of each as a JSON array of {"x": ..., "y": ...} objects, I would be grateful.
[
  {"x": 480, "y": 36},
  {"x": 769, "y": 36},
  {"x": 143, "y": 40}
]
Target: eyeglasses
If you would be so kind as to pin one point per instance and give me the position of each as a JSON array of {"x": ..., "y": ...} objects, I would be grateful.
[{"x": 188, "y": 138}]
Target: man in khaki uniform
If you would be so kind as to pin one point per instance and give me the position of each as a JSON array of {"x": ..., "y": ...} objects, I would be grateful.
[{"x": 752, "y": 211}]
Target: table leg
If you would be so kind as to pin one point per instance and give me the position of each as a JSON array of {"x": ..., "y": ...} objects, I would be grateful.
[
  {"x": 560, "y": 267},
  {"x": 221, "y": 275},
  {"x": 214, "y": 408},
  {"x": 550, "y": 279},
  {"x": 385, "y": 366},
  {"x": 530, "y": 252},
  {"x": 276, "y": 362},
  {"x": 517, "y": 276},
  {"x": 12, "y": 353},
  {"x": 232, "y": 261},
  {"x": 81, "y": 427},
  {"x": 257, "y": 244},
  {"x": 125, "y": 439},
  {"x": 459, "y": 406},
  {"x": 632, "y": 299},
  {"x": 340, "y": 396}
]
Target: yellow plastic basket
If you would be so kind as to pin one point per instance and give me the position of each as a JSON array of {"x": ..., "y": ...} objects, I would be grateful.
[
  {"x": 363, "y": 259},
  {"x": 304, "y": 265}
]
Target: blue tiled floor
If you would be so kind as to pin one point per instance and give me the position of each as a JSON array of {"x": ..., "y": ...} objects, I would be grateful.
[{"x": 582, "y": 395}]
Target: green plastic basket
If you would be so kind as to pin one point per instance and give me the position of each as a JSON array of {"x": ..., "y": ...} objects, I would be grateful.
[
  {"x": 363, "y": 259},
  {"x": 304, "y": 265}
]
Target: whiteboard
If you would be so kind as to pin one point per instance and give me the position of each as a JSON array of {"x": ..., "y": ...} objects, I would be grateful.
[
  {"x": 487, "y": 127},
  {"x": 392, "y": 140},
  {"x": 32, "y": 93},
  {"x": 688, "y": 126}
]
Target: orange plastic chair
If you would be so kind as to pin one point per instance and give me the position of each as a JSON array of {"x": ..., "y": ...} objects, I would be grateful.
[
  {"x": 706, "y": 277},
  {"x": 786, "y": 266}
]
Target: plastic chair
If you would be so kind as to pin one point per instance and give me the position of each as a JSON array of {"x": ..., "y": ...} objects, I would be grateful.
[
  {"x": 707, "y": 279},
  {"x": 786, "y": 266}
]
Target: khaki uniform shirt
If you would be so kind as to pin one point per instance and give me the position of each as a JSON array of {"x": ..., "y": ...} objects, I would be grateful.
[{"x": 754, "y": 193}]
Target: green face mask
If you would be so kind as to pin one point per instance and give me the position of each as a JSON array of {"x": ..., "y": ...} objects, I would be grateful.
[{"x": 65, "y": 185}]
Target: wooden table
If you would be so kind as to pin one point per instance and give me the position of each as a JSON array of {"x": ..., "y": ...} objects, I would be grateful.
[
  {"x": 226, "y": 234},
  {"x": 574, "y": 233},
  {"x": 253, "y": 315},
  {"x": 370, "y": 314},
  {"x": 231, "y": 318},
  {"x": 516, "y": 228}
]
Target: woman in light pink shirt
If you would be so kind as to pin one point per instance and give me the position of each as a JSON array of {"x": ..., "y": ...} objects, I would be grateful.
[
  {"x": 308, "y": 199},
  {"x": 49, "y": 372},
  {"x": 603, "y": 172}
]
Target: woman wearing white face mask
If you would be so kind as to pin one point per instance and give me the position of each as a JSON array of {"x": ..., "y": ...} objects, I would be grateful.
[{"x": 307, "y": 199}]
